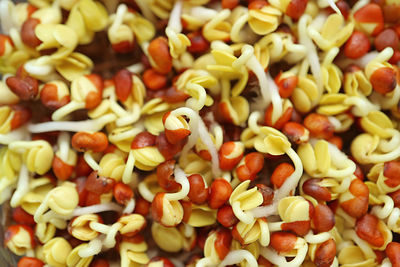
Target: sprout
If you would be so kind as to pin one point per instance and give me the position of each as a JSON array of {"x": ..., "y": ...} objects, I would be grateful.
[{"x": 73, "y": 126}]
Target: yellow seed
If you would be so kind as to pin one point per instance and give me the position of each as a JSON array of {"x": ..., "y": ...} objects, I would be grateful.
[
  {"x": 167, "y": 238},
  {"x": 80, "y": 227},
  {"x": 56, "y": 251}
]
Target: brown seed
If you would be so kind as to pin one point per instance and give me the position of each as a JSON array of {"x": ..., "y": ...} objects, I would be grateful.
[
  {"x": 386, "y": 38},
  {"x": 28, "y": 32}
]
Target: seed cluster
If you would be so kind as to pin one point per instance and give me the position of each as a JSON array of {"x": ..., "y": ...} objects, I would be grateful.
[{"x": 240, "y": 132}]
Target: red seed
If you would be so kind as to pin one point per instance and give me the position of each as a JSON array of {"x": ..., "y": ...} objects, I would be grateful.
[
  {"x": 142, "y": 206},
  {"x": 30, "y": 9},
  {"x": 159, "y": 51},
  {"x": 367, "y": 229},
  {"x": 319, "y": 126},
  {"x": 267, "y": 193},
  {"x": 84, "y": 141},
  {"x": 325, "y": 253},
  {"x": 393, "y": 253},
  {"x": 4, "y": 39},
  {"x": 82, "y": 168},
  {"x": 94, "y": 98},
  {"x": 202, "y": 237},
  {"x": 237, "y": 236},
  {"x": 167, "y": 149},
  {"x": 391, "y": 13},
  {"x": 187, "y": 210},
  {"x": 224, "y": 114},
  {"x": 296, "y": 8},
  {"x": 123, "y": 84},
  {"x": 220, "y": 191},
  {"x": 257, "y": 4},
  {"x": 358, "y": 206},
  {"x": 384, "y": 80},
  {"x": 391, "y": 171},
  {"x": 343, "y": 7},
  {"x": 380, "y": 256},
  {"x": 231, "y": 4},
  {"x": 295, "y": 132},
  {"x": 357, "y": 45},
  {"x": 21, "y": 116},
  {"x": 49, "y": 97},
  {"x": 99, "y": 184},
  {"x": 227, "y": 161},
  {"x": 157, "y": 207},
  {"x": 371, "y": 13},
  {"x": 62, "y": 170},
  {"x": 124, "y": 46},
  {"x": 164, "y": 176},
  {"x": 177, "y": 135},
  {"x": 20, "y": 216},
  {"x": 198, "y": 192},
  {"x": 226, "y": 217},
  {"x": 25, "y": 87},
  {"x": 30, "y": 262},
  {"x": 300, "y": 228},
  {"x": 285, "y": 117},
  {"x": 253, "y": 164},
  {"x": 281, "y": 173},
  {"x": 28, "y": 35},
  {"x": 283, "y": 242},
  {"x": 223, "y": 242},
  {"x": 80, "y": 183},
  {"x": 172, "y": 95},
  {"x": 386, "y": 38},
  {"x": 323, "y": 219},
  {"x": 122, "y": 193},
  {"x": 286, "y": 85},
  {"x": 312, "y": 188},
  {"x": 395, "y": 58},
  {"x": 396, "y": 198},
  {"x": 154, "y": 80},
  {"x": 198, "y": 43},
  {"x": 92, "y": 199},
  {"x": 143, "y": 139}
]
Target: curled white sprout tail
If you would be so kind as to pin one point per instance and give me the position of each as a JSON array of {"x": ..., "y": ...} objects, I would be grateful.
[
  {"x": 198, "y": 129},
  {"x": 180, "y": 178},
  {"x": 63, "y": 145},
  {"x": 333, "y": 6},
  {"x": 271, "y": 255},
  {"x": 128, "y": 170},
  {"x": 312, "y": 55},
  {"x": 237, "y": 256},
  {"x": 91, "y": 161},
  {"x": 22, "y": 187},
  {"x": 174, "y": 22},
  {"x": 72, "y": 126},
  {"x": 129, "y": 207},
  {"x": 268, "y": 88},
  {"x": 289, "y": 185},
  {"x": 16, "y": 135},
  {"x": 93, "y": 248},
  {"x": 97, "y": 209},
  {"x": 119, "y": 17}
]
